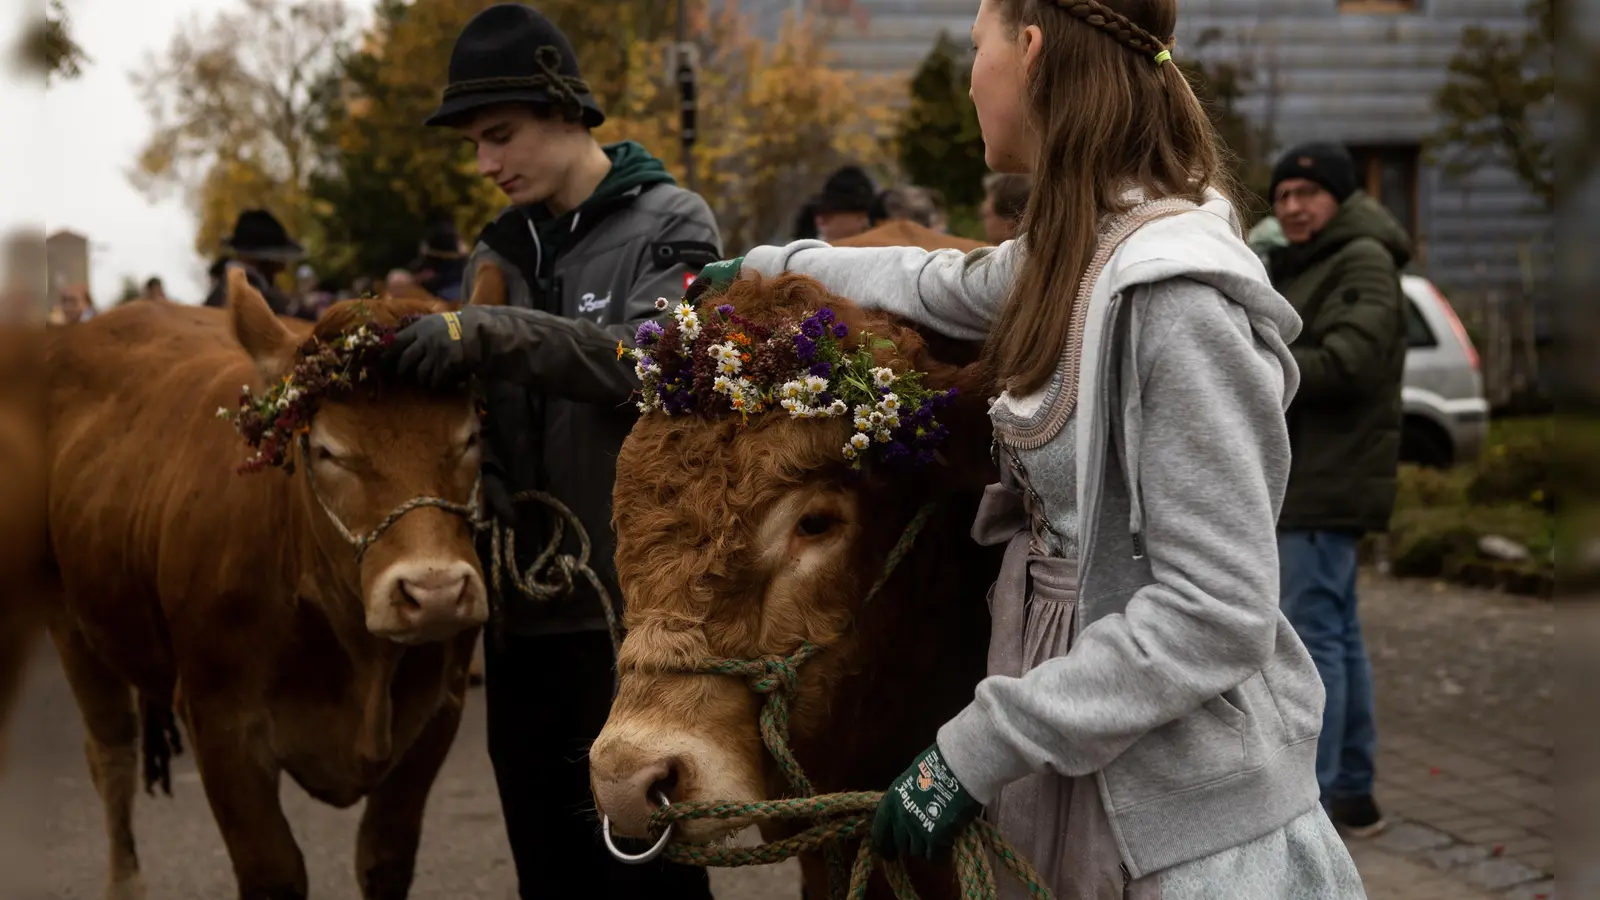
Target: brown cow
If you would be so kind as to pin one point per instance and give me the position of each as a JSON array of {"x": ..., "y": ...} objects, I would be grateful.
[
  {"x": 22, "y": 497},
  {"x": 241, "y": 599},
  {"x": 906, "y": 233},
  {"x": 744, "y": 542}
]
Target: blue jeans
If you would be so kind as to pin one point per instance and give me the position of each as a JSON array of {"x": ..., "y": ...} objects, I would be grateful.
[{"x": 1317, "y": 571}]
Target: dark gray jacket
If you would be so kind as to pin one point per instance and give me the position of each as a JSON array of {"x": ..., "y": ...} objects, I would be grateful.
[{"x": 557, "y": 417}]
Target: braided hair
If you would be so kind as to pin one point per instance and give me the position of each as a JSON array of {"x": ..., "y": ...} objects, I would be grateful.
[
  {"x": 1121, "y": 29},
  {"x": 1106, "y": 128}
]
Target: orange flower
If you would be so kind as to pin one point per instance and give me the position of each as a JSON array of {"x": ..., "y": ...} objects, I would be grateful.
[{"x": 621, "y": 351}]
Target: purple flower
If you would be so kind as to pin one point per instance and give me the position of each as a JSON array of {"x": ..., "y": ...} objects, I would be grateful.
[
  {"x": 895, "y": 450},
  {"x": 648, "y": 333},
  {"x": 839, "y": 330},
  {"x": 822, "y": 369},
  {"x": 805, "y": 348},
  {"x": 924, "y": 457},
  {"x": 825, "y": 316},
  {"x": 825, "y": 399},
  {"x": 726, "y": 309},
  {"x": 811, "y": 328}
]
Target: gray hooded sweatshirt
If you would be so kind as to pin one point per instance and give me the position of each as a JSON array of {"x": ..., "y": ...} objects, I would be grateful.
[{"x": 1185, "y": 694}]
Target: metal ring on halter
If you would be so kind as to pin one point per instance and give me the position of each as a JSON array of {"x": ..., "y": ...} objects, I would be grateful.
[{"x": 637, "y": 858}]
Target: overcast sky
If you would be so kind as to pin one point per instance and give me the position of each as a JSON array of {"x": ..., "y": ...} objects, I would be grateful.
[{"x": 90, "y": 132}]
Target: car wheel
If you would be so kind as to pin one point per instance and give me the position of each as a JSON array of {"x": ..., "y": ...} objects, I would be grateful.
[{"x": 1425, "y": 444}]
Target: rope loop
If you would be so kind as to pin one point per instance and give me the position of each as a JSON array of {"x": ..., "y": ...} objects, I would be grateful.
[
  {"x": 837, "y": 819},
  {"x": 552, "y": 575}
]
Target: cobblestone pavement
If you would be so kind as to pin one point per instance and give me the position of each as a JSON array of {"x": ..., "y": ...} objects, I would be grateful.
[{"x": 1464, "y": 681}]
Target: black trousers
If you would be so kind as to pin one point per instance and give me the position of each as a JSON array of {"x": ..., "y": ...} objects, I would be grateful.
[{"x": 547, "y": 699}]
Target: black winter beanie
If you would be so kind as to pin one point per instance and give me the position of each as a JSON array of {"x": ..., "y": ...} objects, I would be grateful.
[{"x": 1326, "y": 164}]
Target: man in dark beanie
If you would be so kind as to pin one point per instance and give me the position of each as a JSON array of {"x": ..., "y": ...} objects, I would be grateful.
[
  {"x": 1340, "y": 268},
  {"x": 593, "y": 236},
  {"x": 844, "y": 208}
]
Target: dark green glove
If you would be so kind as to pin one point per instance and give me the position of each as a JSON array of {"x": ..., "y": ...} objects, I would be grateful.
[
  {"x": 923, "y": 810},
  {"x": 714, "y": 278},
  {"x": 440, "y": 350}
]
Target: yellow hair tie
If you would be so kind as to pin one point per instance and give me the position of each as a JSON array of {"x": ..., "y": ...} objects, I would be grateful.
[{"x": 1163, "y": 56}]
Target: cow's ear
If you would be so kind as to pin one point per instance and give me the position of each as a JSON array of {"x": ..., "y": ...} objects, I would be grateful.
[
  {"x": 488, "y": 286},
  {"x": 267, "y": 339}
]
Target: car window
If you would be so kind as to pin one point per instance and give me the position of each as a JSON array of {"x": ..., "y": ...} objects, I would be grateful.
[{"x": 1418, "y": 334}]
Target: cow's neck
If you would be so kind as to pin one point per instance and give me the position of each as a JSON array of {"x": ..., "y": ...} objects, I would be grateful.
[{"x": 330, "y": 577}]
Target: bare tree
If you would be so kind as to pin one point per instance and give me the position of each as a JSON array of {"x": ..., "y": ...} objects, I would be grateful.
[
  {"x": 245, "y": 92},
  {"x": 1498, "y": 105},
  {"x": 47, "y": 46}
]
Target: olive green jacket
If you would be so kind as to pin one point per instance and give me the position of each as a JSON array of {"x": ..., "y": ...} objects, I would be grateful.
[{"x": 1344, "y": 424}]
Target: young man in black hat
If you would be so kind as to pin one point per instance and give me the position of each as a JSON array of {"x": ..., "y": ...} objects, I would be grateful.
[
  {"x": 262, "y": 247},
  {"x": 593, "y": 237}
]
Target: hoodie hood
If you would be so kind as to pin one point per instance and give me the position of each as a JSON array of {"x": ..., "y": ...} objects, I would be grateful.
[
  {"x": 1267, "y": 238},
  {"x": 1206, "y": 245},
  {"x": 1361, "y": 216},
  {"x": 633, "y": 169}
]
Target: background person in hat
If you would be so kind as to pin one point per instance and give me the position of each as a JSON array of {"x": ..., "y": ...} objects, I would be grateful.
[
  {"x": 442, "y": 264},
  {"x": 263, "y": 248},
  {"x": 844, "y": 208},
  {"x": 1339, "y": 266},
  {"x": 594, "y": 235}
]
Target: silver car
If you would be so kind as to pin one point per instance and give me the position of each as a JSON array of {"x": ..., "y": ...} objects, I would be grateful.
[{"x": 1446, "y": 413}]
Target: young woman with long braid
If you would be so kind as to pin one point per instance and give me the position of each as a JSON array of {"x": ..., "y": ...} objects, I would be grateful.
[{"x": 1149, "y": 725}]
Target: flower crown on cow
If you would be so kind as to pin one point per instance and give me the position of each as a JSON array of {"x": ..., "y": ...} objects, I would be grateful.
[
  {"x": 272, "y": 421},
  {"x": 713, "y": 361}
]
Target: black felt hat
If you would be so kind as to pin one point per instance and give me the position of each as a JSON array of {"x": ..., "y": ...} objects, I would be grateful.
[
  {"x": 850, "y": 189},
  {"x": 258, "y": 234},
  {"x": 443, "y": 243},
  {"x": 511, "y": 53}
]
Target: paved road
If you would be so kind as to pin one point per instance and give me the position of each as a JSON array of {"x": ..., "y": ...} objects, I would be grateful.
[
  {"x": 1464, "y": 680},
  {"x": 52, "y": 844}
]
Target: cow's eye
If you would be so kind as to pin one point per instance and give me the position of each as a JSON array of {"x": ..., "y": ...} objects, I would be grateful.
[
  {"x": 816, "y": 524},
  {"x": 324, "y": 455}
]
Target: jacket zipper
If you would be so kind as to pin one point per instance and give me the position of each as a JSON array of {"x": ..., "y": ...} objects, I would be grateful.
[
  {"x": 1098, "y": 442},
  {"x": 538, "y": 251}
]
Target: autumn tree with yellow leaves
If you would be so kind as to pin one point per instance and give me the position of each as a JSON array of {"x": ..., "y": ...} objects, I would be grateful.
[
  {"x": 236, "y": 104},
  {"x": 276, "y": 105},
  {"x": 774, "y": 118}
]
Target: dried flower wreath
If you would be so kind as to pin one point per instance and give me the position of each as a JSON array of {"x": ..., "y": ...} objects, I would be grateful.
[
  {"x": 710, "y": 360},
  {"x": 271, "y": 422}
]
